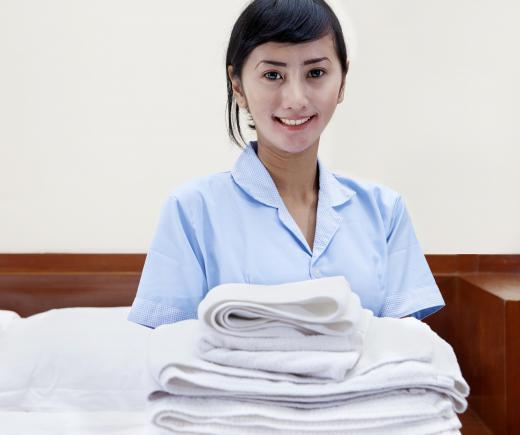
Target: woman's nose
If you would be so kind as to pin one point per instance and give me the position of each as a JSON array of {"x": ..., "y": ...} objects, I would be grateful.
[{"x": 295, "y": 95}]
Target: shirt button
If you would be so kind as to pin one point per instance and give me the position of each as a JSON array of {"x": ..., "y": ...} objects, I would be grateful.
[{"x": 317, "y": 272}]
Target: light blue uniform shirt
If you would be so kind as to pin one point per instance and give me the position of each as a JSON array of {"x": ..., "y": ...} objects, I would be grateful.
[{"x": 233, "y": 227}]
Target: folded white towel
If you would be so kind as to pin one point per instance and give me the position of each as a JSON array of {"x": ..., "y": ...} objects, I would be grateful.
[
  {"x": 284, "y": 342},
  {"x": 325, "y": 366},
  {"x": 309, "y": 329},
  {"x": 399, "y": 412},
  {"x": 397, "y": 353},
  {"x": 323, "y": 306}
]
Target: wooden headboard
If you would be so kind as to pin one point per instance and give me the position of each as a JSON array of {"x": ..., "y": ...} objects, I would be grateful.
[{"x": 32, "y": 283}]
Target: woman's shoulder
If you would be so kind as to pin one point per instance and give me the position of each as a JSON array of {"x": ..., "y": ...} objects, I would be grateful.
[
  {"x": 373, "y": 196},
  {"x": 201, "y": 189},
  {"x": 367, "y": 189}
]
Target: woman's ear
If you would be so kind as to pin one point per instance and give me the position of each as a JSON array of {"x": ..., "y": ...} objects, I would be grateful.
[
  {"x": 341, "y": 94},
  {"x": 236, "y": 85}
]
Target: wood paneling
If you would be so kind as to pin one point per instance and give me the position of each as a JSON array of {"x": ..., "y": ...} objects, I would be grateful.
[
  {"x": 71, "y": 262},
  {"x": 444, "y": 321},
  {"x": 499, "y": 263},
  {"x": 513, "y": 367},
  {"x": 467, "y": 263},
  {"x": 481, "y": 353},
  {"x": 32, "y": 293},
  {"x": 481, "y": 321},
  {"x": 453, "y": 263},
  {"x": 472, "y": 424},
  {"x": 463, "y": 263}
]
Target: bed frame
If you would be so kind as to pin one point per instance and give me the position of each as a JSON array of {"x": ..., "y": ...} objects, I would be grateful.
[
  {"x": 32, "y": 283},
  {"x": 481, "y": 319}
]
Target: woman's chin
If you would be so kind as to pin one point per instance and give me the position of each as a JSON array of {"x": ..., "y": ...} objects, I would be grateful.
[{"x": 293, "y": 147}]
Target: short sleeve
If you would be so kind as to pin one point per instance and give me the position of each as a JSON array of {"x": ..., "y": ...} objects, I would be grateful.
[
  {"x": 411, "y": 289},
  {"x": 173, "y": 280}
]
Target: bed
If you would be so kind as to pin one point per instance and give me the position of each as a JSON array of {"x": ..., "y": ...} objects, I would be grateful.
[
  {"x": 73, "y": 371},
  {"x": 63, "y": 329},
  {"x": 70, "y": 362},
  {"x": 73, "y": 422}
]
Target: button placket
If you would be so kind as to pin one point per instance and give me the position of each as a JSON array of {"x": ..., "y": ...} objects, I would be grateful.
[{"x": 314, "y": 270}]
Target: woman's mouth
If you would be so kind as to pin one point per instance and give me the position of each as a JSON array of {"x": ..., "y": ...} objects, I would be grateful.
[{"x": 295, "y": 124}]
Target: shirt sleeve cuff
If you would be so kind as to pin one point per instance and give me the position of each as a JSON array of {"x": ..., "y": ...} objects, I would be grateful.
[
  {"x": 152, "y": 314},
  {"x": 430, "y": 299}
]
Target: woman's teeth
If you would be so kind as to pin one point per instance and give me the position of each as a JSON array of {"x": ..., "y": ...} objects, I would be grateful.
[{"x": 294, "y": 121}]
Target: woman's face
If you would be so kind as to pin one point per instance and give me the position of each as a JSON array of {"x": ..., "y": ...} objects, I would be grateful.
[{"x": 294, "y": 82}]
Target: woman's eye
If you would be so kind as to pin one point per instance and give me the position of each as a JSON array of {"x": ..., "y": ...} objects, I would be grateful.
[
  {"x": 266, "y": 75},
  {"x": 319, "y": 71},
  {"x": 272, "y": 75}
]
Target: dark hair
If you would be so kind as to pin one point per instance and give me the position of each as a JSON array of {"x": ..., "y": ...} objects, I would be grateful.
[{"x": 264, "y": 21}]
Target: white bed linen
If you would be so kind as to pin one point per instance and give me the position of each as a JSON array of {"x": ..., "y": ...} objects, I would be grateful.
[
  {"x": 75, "y": 423},
  {"x": 73, "y": 359}
]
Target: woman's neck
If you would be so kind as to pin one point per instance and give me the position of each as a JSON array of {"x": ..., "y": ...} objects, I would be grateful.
[{"x": 296, "y": 176}]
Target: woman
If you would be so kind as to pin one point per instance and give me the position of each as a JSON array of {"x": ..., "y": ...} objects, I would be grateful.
[{"x": 279, "y": 215}]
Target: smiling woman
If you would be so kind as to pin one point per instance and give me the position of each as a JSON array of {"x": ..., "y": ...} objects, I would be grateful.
[
  {"x": 279, "y": 215},
  {"x": 299, "y": 94},
  {"x": 280, "y": 51}
]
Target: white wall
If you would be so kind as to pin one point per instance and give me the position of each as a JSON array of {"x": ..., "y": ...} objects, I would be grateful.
[
  {"x": 105, "y": 106},
  {"x": 432, "y": 109}
]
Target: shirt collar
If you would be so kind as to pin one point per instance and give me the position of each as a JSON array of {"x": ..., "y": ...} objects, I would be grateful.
[{"x": 251, "y": 175}]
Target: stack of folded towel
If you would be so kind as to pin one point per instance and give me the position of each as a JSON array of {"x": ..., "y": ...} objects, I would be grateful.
[
  {"x": 301, "y": 358},
  {"x": 311, "y": 330}
]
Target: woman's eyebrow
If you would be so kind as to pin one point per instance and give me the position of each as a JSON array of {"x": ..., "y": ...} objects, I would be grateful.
[{"x": 307, "y": 62}]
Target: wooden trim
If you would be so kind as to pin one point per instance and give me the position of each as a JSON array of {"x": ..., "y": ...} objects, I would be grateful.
[
  {"x": 29, "y": 294},
  {"x": 472, "y": 263},
  {"x": 499, "y": 263},
  {"x": 71, "y": 262},
  {"x": 32, "y": 283},
  {"x": 63, "y": 262},
  {"x": 453, "y": 263},
  {"x": 512, "y": 379}
]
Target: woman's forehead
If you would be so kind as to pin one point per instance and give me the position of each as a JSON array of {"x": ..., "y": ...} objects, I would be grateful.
[{"x": 289, "y": 52}]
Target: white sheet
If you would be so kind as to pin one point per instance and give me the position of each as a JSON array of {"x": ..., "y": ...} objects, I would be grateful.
[
  {"x": 75, "y": 423},
  {"x": 74, "y": 359}
]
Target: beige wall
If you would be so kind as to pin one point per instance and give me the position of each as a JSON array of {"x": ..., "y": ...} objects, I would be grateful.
[{"x": 105, "y": 106}]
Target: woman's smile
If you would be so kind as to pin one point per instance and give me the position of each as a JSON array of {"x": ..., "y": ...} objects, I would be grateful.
[{"x": 294, "y": 124}]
